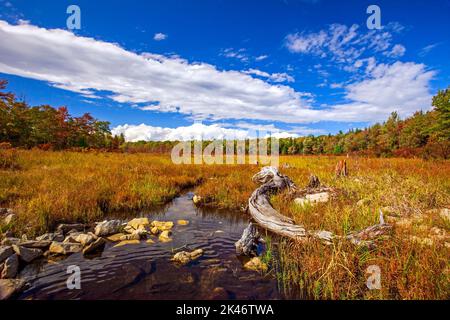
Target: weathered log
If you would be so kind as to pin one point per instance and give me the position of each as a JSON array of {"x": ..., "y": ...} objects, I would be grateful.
[{"x": 268, "y": 218}]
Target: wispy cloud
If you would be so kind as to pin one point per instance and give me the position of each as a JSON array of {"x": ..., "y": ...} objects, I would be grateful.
[
  {"x": 343, "y": 44},
  {"x": 427, "y": 49},
  {"x": 239, "y": 54}
]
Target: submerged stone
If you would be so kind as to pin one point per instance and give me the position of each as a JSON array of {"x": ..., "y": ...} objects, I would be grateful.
[
  {"x": 182, "y": 222},
  {"x": 184, "y": 257},
  {"x": 126, "y": 242},
  {"x": 162, "y": 225},
  {"x": 165, "y": 236},
  {"x": 255, "y": 264}
]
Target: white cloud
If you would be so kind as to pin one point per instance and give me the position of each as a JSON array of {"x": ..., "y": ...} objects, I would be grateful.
[
  {"x": 274, "y": 77},
  {"x": 261, "y": 57},
  {"x": 199, "y": 90},
  {"x": 401, "y": 87},
  {"x": 159, "y": 36},
  {"x": 343, "y": 44},
  {"x": 196, "y": 131},
  {"x": 239, "y": 131},
  {"x": 165, "y": 84},
  {"x": 236, "y": 54},
  {"x": 397, "y": 51},
  {"x": 425, "y": 50}
]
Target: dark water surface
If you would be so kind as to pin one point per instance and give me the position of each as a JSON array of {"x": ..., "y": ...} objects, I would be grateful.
[{"x": 144, "y": 271}]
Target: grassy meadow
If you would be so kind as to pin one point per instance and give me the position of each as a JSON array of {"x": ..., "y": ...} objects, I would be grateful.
[{"x": 47, "y": 188}]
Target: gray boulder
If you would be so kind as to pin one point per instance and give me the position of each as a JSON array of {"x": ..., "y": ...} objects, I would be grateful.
[
  {"x": 56, "y": 236},
  {"x": 95, "y": 246},
  {"x": 65, "y": 228},
  {"x": 10, "y": 241},
  {"x": 107, "y": 228},
  {"x": 10, "y": 267},
  {"x": 5, "y": 253},
  {"x": 27, "y": 254}
]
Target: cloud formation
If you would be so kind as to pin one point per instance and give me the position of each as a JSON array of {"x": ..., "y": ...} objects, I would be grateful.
[
  {"x": 200, "y": 90},
  {"x": 343, "y": 44},
  {"x": 159, "y": 36},
  {"x": 195, "y": 131}
]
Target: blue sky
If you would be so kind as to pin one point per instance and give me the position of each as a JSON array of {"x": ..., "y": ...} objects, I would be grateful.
[{"x": 174, "y": 69}]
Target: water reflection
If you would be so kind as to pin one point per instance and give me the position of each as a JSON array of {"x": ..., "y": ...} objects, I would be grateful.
[{"x": 144, "y": 271}]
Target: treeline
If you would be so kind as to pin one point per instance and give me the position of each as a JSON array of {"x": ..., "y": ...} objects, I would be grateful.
[
  {"x": 425, "y": 134},
  {"x": 47, "y": 128}
]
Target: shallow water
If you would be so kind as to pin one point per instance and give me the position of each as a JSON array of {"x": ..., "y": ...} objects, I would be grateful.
[{"x": 144, "y": 271}]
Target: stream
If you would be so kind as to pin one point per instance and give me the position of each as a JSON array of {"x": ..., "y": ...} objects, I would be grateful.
[{"x": 144, "y": 271}]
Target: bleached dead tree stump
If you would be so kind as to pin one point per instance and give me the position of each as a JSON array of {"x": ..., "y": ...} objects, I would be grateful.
[{"x": 266, "y": 217}]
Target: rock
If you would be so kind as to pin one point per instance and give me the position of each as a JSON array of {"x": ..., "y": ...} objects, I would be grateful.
[
  {"x": 10, "y": 218},
  {"x": 95, "y": 246},
  {"x": 312, "y": 199},
  {"x": 138, "y": 223},
  {"x": 70, "y": 239},
  {"x": 85, "y": 238},
  {"x": 65, "y": 248},
  {"x": 184, "y": 257},
  {"x": 255, "y": 264},
  {"x": 182, "y": 222},
  {"x": 5, "y": 253},
  {"x": 445, "y": 214},
  {"x": 10, "y": 267},
  {"x": 65, "y": 228},
  {"x": 127, "y": 242},
  {"x": 165, "y": 236},
  {"x": 10, "y": 241},
  {"x": 136, "y": 235},
  {"x": 36, "y": 244},
  {"x": 11, "y": 287},
  {"x": 57, "y": 236},
  {"x": 115, "y": 237},
  {"x": 107, "y": 228},
  {"x": 196, "y": 199},
  {"x": 162, "y": 225},
  {"x": 27, "y": 254}
]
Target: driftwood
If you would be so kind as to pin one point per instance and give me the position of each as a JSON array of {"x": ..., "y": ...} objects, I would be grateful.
[{"x": 266, "y": 217}]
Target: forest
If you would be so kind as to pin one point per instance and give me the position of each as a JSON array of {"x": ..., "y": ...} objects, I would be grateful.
[{"x": 424, "y": 134}]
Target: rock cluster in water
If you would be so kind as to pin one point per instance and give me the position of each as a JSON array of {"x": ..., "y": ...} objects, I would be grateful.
[{"x": 68, "y": 239}]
